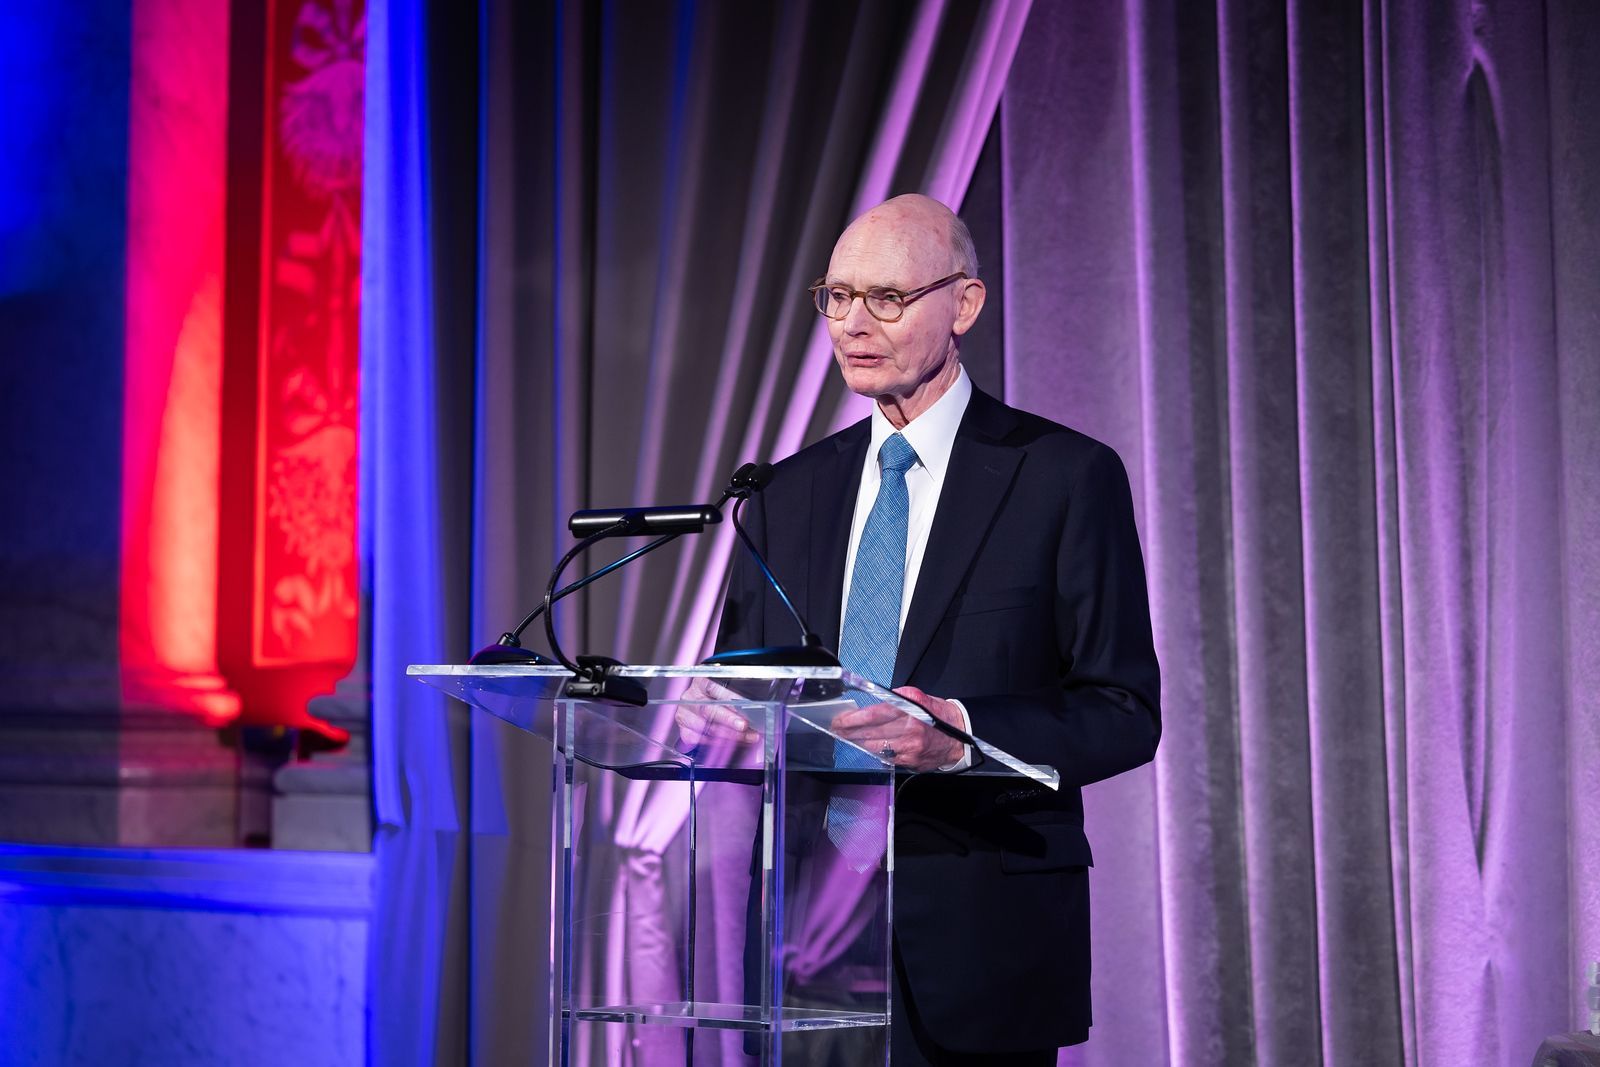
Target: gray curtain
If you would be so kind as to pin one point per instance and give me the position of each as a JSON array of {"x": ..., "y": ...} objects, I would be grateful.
[
  {"x": 589, "y": 228},
  {"x": 1325, "y": 275}
]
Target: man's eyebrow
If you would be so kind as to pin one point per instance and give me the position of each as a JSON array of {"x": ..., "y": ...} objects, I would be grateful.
[{"x": 896, "y": 286}]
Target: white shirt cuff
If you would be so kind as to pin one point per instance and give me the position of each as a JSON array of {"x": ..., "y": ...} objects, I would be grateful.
[{"x": 966, "y": 750}]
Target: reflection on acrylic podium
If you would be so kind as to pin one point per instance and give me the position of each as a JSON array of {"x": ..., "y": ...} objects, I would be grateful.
[{"x": 720, "y": 896}]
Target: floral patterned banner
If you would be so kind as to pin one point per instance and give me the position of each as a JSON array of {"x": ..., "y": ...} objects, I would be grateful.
[{"x": 304, "y": 590}]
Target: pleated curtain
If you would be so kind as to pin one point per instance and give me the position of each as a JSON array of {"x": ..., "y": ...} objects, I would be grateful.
[{"x": 1324, "y": 275}]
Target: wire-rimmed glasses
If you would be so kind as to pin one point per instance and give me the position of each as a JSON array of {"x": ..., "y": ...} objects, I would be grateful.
[{"x": 883, "y": 303}]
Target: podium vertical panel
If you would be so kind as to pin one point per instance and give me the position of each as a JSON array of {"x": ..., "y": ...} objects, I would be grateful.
[{"x": 723, "y": 894}]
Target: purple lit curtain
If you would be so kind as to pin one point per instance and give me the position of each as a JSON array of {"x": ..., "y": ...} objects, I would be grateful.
[{"x": 1326, "y": 276}]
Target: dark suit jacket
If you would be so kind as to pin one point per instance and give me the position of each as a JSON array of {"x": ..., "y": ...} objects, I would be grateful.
[{"x": 1031, "y": 609}]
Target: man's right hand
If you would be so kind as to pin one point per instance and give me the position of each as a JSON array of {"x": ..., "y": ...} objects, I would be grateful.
[{"x": 702, "y": 722}]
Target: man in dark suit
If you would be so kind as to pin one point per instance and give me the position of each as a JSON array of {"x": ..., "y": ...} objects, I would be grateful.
[{"x": 1022, "y": 617}]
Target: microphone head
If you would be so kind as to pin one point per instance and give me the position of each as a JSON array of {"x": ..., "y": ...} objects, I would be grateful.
[
  {"x": 633, "y": 522},
  {"x": 501, "y": 654},
  {"x": 750, "y": 478}
]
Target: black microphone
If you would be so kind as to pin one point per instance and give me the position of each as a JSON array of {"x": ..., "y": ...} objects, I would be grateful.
[
  {"x": 614, "y": 522},
  {"x": 508, "y": 648},
  {"x": 629, "y": 522},
  {"x": 594, "y": 677},
  {"x": 746, "y": 482},
  {"x": 750, "y": 478}
]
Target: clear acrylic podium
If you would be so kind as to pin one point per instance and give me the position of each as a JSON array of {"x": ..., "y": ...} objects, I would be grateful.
[{"x": 720, "y": 896}]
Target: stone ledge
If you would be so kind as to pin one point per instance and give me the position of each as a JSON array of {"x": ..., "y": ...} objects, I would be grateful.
[
  {"x": 322, "y": 822},
  {"x": 323, "y": 779},
  {"x": 134, "y": 816},
  {"x": 321, "y": 883}
]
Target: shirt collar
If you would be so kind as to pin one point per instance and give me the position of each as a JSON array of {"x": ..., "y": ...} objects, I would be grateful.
[{"x": 932, "y": 434}]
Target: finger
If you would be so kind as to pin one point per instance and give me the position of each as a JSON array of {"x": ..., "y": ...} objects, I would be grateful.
[
  {"x": 725, "y": 718},
  {"x": 894, "y": 731},
  {"x": 901, "y": 734},
  {"x": 730, "y": 723},
  {"x": 937, "y": 707},
  {"x": 862, "y": 718},
  {"x": 706, "y": 689},
  {"x": 925, "y": 701},
  {"x": 699, "y": 721},
  {"x": 691, "y": 728}
]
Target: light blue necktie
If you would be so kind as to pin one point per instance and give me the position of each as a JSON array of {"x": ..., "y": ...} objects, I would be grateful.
[{"x": 870, "y": 636}]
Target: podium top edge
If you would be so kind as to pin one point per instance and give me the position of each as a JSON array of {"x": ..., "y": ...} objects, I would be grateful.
[
  {"x": 437, "y": 672},
  {"x": 519, "y": 670}
]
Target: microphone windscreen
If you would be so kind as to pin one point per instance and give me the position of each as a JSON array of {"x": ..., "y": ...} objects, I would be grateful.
[
  {"x": 630, "y": 522},
  {"x": 750, "y": 478}
]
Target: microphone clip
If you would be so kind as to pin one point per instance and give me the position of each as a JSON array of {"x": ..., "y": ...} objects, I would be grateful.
[{"x": 596, "y": 682}]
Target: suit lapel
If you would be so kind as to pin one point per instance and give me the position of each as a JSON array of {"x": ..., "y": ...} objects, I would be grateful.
[
  {"x": 981, "y": 471},
  {"x": 836, "y": 481}
]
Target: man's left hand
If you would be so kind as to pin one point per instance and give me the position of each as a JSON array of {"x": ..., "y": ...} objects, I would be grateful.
[{"x": 915, "y": 745}]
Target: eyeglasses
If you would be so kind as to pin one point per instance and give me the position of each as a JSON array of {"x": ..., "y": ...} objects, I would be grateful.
[{"x": 883, "y": 303}]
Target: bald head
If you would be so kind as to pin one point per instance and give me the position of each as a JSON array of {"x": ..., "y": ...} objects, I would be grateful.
[{"x": 927, "y": 217}]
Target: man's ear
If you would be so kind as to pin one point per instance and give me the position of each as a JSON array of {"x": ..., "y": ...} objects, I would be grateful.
[{"x": 971, "y": 298}]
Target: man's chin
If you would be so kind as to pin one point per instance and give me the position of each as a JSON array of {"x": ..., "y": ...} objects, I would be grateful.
[{"x": 868, "y": 383}]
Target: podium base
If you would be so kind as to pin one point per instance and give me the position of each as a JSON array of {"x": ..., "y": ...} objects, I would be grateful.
[{"x": 746, "y": 1017}]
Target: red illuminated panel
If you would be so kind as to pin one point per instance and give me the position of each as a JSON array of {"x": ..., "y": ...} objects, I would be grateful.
[
  {"x": 177, "y": 154},
  {"x": 303, "y": 598}
]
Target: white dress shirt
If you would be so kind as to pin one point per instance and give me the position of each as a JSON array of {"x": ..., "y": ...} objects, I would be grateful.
[{"x": 931, "y": 435}]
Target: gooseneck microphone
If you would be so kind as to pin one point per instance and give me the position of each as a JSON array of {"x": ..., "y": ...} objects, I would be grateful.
[
  {"x": 810, "y": 652},
  {"x": 670, "y": 522},
  {"x": 592, "y": 677},
  {"x": 509, "y": 649}
]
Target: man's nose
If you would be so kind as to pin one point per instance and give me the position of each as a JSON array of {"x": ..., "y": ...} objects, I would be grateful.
[{"x": 857, "y": 319}]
